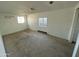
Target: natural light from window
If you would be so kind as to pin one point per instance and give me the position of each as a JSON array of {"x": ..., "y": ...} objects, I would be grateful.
[
  {"x": 43, "y": 22},
  {"x": 20, "y": 19}
]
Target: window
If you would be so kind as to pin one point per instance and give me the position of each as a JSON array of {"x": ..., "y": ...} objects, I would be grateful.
[
  {"x": 43, "y": 22},
  {"x": 20, "y": 19}
]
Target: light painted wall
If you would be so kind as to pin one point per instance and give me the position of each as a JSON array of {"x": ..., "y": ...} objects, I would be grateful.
[
  {"x": 10, "y": 25},
  {"x": 2, "y": 49},
  {"x": 59, "y": 22}
]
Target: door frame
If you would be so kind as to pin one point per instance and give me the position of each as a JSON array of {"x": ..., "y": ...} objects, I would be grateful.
[{"x": 73, "y": 25}]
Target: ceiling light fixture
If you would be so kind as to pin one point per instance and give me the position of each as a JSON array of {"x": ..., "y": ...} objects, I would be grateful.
[
  {"x": 32, "y": 9},
  {"x": 51, "y": 2}
]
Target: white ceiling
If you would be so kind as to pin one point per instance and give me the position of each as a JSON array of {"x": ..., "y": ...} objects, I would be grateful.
[{"x": 23, "y": 7}]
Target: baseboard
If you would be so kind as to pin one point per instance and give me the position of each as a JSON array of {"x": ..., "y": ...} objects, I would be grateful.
[
  {"x": 57, "y": 37},
  {"x": 15, "y": 32}
]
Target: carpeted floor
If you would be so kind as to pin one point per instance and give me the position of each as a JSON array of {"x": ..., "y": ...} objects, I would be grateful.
[{"x": 34, "y": 44}]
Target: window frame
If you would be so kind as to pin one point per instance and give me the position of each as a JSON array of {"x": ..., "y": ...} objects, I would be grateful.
[
  {"x": 44, "y": 25},
  {"x": 20, "y": 21}
]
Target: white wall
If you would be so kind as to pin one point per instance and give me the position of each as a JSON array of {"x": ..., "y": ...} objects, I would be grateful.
[
  {"x": 10, "y": 25},
  {"x": 59, "y": 22},
  {"x": 2, "y": 49}
]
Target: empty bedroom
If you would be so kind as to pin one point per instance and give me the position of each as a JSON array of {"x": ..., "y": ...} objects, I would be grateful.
[{"x": 37, "y": 28}]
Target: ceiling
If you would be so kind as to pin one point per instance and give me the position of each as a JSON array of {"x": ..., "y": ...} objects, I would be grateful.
[{"x": 23, "y": 7}]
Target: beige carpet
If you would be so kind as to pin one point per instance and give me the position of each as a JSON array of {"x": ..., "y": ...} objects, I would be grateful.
[{"x": 34, "y": 44}]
